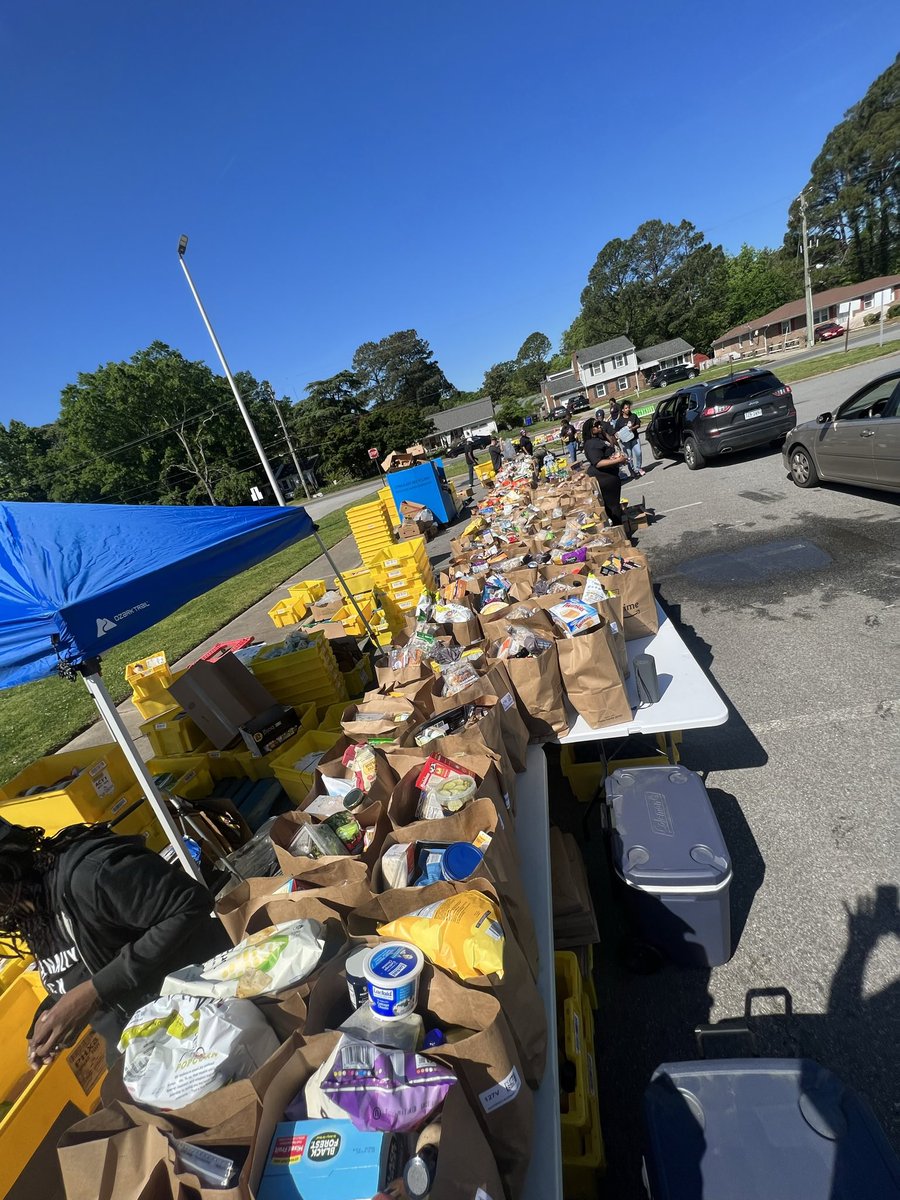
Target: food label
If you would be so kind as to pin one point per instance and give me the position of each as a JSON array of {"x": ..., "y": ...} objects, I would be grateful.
[
  {"x": 87, "y": 1062},
  {"x": 507, "y": 701},
  {"x": 103, "y": 785},
  {"x": 501, "y": 1093},
  {"x": 288, "y": 1150}
]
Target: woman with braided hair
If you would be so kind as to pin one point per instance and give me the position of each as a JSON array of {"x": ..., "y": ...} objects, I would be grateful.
[{"x": 106, "y": 921}]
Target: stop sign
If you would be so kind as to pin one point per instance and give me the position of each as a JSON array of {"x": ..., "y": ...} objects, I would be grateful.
[{"x": 373, "y": 453}]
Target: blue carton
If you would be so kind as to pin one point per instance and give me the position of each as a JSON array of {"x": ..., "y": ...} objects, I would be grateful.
[{"x": 328, "y": 1160}]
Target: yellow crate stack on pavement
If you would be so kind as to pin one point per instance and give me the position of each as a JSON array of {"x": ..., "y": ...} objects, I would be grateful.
[
  {"x": 308, "y": 591},
  {"x": 403, "y": 573},
  {"x": 78, "y": 786},
  {"x": 301, "y": 677},
  {"x": 386, "y": 496},
  {"x": 150, "y": 679},
  {"x": 584, "y": 1156},
  {"x": 293, "y": 767},
  {"x": 370, "y": 528},
  {"x": 32, "y": 1100},
  {"x": 485, "y": 471},
  {"x": 287, "y": 612}
]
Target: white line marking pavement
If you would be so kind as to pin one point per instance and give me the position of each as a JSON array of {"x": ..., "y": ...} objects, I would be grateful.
[
  {"x": 693, "y": 504},
  {"x": 834, "y": 716}
]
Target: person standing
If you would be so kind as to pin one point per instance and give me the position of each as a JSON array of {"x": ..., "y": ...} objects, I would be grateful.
[
  {"x": 470, "y": 460},
  {"x": 526, "y": 445},
  {"x": 496, "y": 453},
  {"x": 626, "y": 427},
  {"x": 604, "y": 459},
  {"x": 105, "y": 919},
  {"x": 569, "y": 440}
]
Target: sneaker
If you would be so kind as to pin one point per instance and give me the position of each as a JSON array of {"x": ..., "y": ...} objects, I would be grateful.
[{"x": 641, "y": 472}]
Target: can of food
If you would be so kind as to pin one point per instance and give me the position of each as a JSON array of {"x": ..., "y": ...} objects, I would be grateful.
[
  {"x": 348, "y": 829},
  {"x": 392, "y": 976}
]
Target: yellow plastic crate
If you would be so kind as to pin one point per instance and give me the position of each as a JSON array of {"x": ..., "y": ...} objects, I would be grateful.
[
  {"x": 570, "y": 1009},
  {"x": 296, "y": 782},
  {"x": 38, "y": 1097},
  {"x": 104, "y": 775},
  {"x": 150, "y": 679},
  {"x": 386, "y": 496},
  {"x": 254, "y": 766},
  {"x": 219, "y": 763},
  {"x": 350, "y": 618},
  {"x": 485, "y": 471},
  {"x": 142, "y": 822},
  {"x": 316, "y": 661},
  {"x": 11, "y": 967},
  {"x": 330, "y": 720},
  {"x": 584, "y": 1154},
  {"x": 308, "y": 591},
  {"x": 359, "y": 581},
  {"x": 173, "y": 732},
  {"x": 287, "y": 612}
]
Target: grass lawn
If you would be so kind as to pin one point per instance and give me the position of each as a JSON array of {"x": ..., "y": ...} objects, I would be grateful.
[{"x": 39, "y": 717}]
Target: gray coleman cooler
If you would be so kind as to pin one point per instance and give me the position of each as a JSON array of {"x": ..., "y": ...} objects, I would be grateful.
[
  {"x": 669, "y": 853},
  {"x": 762, "y": 1129}
]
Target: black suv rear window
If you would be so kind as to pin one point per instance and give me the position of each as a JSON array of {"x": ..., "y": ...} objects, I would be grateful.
[{"x": 736, "y": 390}]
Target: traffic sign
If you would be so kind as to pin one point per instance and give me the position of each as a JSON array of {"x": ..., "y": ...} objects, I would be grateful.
[{"x": 373, "y": 453}]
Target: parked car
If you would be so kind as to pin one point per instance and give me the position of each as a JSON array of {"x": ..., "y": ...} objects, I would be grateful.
[
  {"x": 559, "y": 413},
  {"x": 478, "y": 440},
  {"x": 860, "y": 443},
  {"x": 744, "y": 410},
  {"x": 580, "y": 404},
  {"x": 667, "y": 375},
  {"x": 824, "y": 333}
]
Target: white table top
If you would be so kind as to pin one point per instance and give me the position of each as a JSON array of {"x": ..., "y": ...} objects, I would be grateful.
[
  {"x": 544, "y": 1178},
  {"x": 687, "y": 701}
]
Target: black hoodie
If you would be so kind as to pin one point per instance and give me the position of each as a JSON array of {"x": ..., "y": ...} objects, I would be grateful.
[{"x": 133, "y": 916}]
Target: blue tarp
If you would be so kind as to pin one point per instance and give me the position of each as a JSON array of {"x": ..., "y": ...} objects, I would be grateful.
[{"x": 96, "y": 574}]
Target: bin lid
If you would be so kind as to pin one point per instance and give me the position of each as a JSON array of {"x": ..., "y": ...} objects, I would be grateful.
[
  {"x": 665, "y": 833},
  {"x": 784, "y": 1128}
]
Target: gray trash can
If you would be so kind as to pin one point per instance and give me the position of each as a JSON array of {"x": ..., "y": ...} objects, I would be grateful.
[
  {"x": 762, "y": 1129},
  {"x": 669, "y": 854}
]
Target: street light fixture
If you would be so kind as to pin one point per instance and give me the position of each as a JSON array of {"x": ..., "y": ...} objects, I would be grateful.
[{"x": 254, "y": 437}]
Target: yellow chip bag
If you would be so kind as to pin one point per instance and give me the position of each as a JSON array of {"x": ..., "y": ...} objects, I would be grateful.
[{"x": 462, "y": 934}]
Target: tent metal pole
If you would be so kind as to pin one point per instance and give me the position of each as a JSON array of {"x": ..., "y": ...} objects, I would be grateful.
[
  {"x": 116, "y": 726},
  {"x": 368, "y": 628}
]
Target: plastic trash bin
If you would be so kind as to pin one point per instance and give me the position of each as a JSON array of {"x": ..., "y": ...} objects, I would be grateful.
[
  {"x": 669, "y": 853},
  {"x": 762, "y": 1129}
]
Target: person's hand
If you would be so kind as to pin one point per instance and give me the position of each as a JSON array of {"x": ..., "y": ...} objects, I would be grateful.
[{"x": 68, "y": 1015}]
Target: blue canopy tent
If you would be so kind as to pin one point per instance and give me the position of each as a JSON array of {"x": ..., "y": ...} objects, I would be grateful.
[{"x": 78, "y": 579}]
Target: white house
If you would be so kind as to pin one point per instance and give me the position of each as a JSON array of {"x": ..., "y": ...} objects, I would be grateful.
[
  {"x": 609, "y": 369},
  {"x": 672, "y": 353},
  {"x": 466, "y": 420}
]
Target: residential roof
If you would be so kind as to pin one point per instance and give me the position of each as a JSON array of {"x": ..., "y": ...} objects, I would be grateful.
[
  {"x": 565, "y": 383},
  {"x": 797, "y": 308},
  {"x": 617, "y": 345},
  {"x": 664, "y": 350},
  {"x": 476, "y": 412}
]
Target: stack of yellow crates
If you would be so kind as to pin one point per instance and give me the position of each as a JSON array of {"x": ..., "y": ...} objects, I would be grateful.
[
  {"x": 584, "y": 1157},
  {"x": 403, "y": 573},
  {"x": 386, "y": 496},
  {"x": 80, "y": 786},
  {"x": 150, "y": 679},
  {"x": 370, "y": 528},
  {"x": 301, "y": 596},
  {"x": 301, "y": 677}
]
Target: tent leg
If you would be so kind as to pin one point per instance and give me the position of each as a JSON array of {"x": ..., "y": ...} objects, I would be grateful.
[
  {"x": 116, "y": 726},
  {"x": 352, "y": 598}
]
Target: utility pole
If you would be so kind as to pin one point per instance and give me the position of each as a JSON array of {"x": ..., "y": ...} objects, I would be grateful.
[
  {"x": 290, "y": 446},
  {"x": 807, "y": 281}
]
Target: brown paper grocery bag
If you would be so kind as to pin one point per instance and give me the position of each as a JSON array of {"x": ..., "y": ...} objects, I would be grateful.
[
  {"x": 486, "y": 1062},
  {"x": 486, "y": 734},
  {"x": 592, "y": 678},
  {"x": 538, "y": 686},
  {"x": 416, "y": 691},
  {"x": 332, "y": 767},
  {"x": 613, "y": 610},
  {"x": 404, "y": 803},
  {"x": 494, "y": 681},
  {"x": 372, "y": 817},
  {"x": 515, "y": 989},
  {"x": 253, "y": 905},
  {"x": 382, "y": 709},
  {"x": 500, "y": 864},
  {"x": 636, "y": 589}
]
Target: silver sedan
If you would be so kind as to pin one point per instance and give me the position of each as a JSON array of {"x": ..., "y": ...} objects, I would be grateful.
[{"x": 860, "y": 443}]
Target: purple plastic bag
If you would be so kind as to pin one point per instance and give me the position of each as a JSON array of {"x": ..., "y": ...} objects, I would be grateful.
[
  {"x": 385, "y": 1090},
  {"x": 570, "y": 556}
]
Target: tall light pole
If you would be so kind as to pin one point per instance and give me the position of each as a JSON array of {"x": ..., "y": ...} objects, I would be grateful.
[
  {"x": 290, "y": 446},
  {"x": 251, "y": 429},
  {"x": 807, "y": 280}
]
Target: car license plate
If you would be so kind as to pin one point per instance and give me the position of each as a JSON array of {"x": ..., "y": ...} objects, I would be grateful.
[{"x": 754, "y": 412}]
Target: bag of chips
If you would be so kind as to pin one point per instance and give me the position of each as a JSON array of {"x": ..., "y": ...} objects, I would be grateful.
[{"x": 463, "y": 934}]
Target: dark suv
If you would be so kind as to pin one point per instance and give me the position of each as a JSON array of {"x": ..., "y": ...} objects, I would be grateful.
[
  {"x": 745, "y": 410},
  {"x": 667, "y": 375}
]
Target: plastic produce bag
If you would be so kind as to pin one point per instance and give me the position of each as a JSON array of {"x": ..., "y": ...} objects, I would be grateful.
[
  {"x": 462, "y": 934},
  {"x": 179, "y": 1048},
  {"x": 264, "y": 963},
  {"x": 383, "y": 1089}
]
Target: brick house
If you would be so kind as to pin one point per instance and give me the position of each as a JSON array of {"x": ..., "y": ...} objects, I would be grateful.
[
  {"x": 560, "y": 388},
  {"x": 608, "y": 370},
  {"x": 787, "y": 323}
]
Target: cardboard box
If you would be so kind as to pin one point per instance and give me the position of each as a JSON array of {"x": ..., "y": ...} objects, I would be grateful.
[
  {"x": 270, "y": 729},
  {"x": 323, "y": 609},
  {"x": 221, "y": 697},
  {"x": 330, "y": 1160}
]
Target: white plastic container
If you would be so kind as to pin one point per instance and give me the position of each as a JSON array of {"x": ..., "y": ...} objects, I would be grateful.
[{"x": 392, "y": 973}]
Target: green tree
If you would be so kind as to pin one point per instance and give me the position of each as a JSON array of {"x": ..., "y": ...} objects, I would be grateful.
[
  {"x": 853, "y": 194},
  {"x": 497, "y": 380},
  {"x": 757, "y": 282},
  {"x": 401, "y": 369},
  {"x": 531, "y": 361},
  {"x": 25, "y": 460},
  {"x": 510, "y": 414}
]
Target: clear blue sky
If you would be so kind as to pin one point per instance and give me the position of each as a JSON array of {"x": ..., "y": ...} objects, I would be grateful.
[{"x": 346, "y": 168}]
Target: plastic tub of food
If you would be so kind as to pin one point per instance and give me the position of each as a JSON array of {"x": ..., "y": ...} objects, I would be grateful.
[{"x": 392, "y": 973}]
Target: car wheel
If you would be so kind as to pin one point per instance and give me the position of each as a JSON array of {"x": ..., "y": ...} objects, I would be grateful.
[
  {"x": 803, "y": 469},
  {"x": 692, "y": 455}
]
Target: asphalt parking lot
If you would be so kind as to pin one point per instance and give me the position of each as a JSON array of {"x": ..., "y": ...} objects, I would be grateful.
[{"x": 790, "y": 600}]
